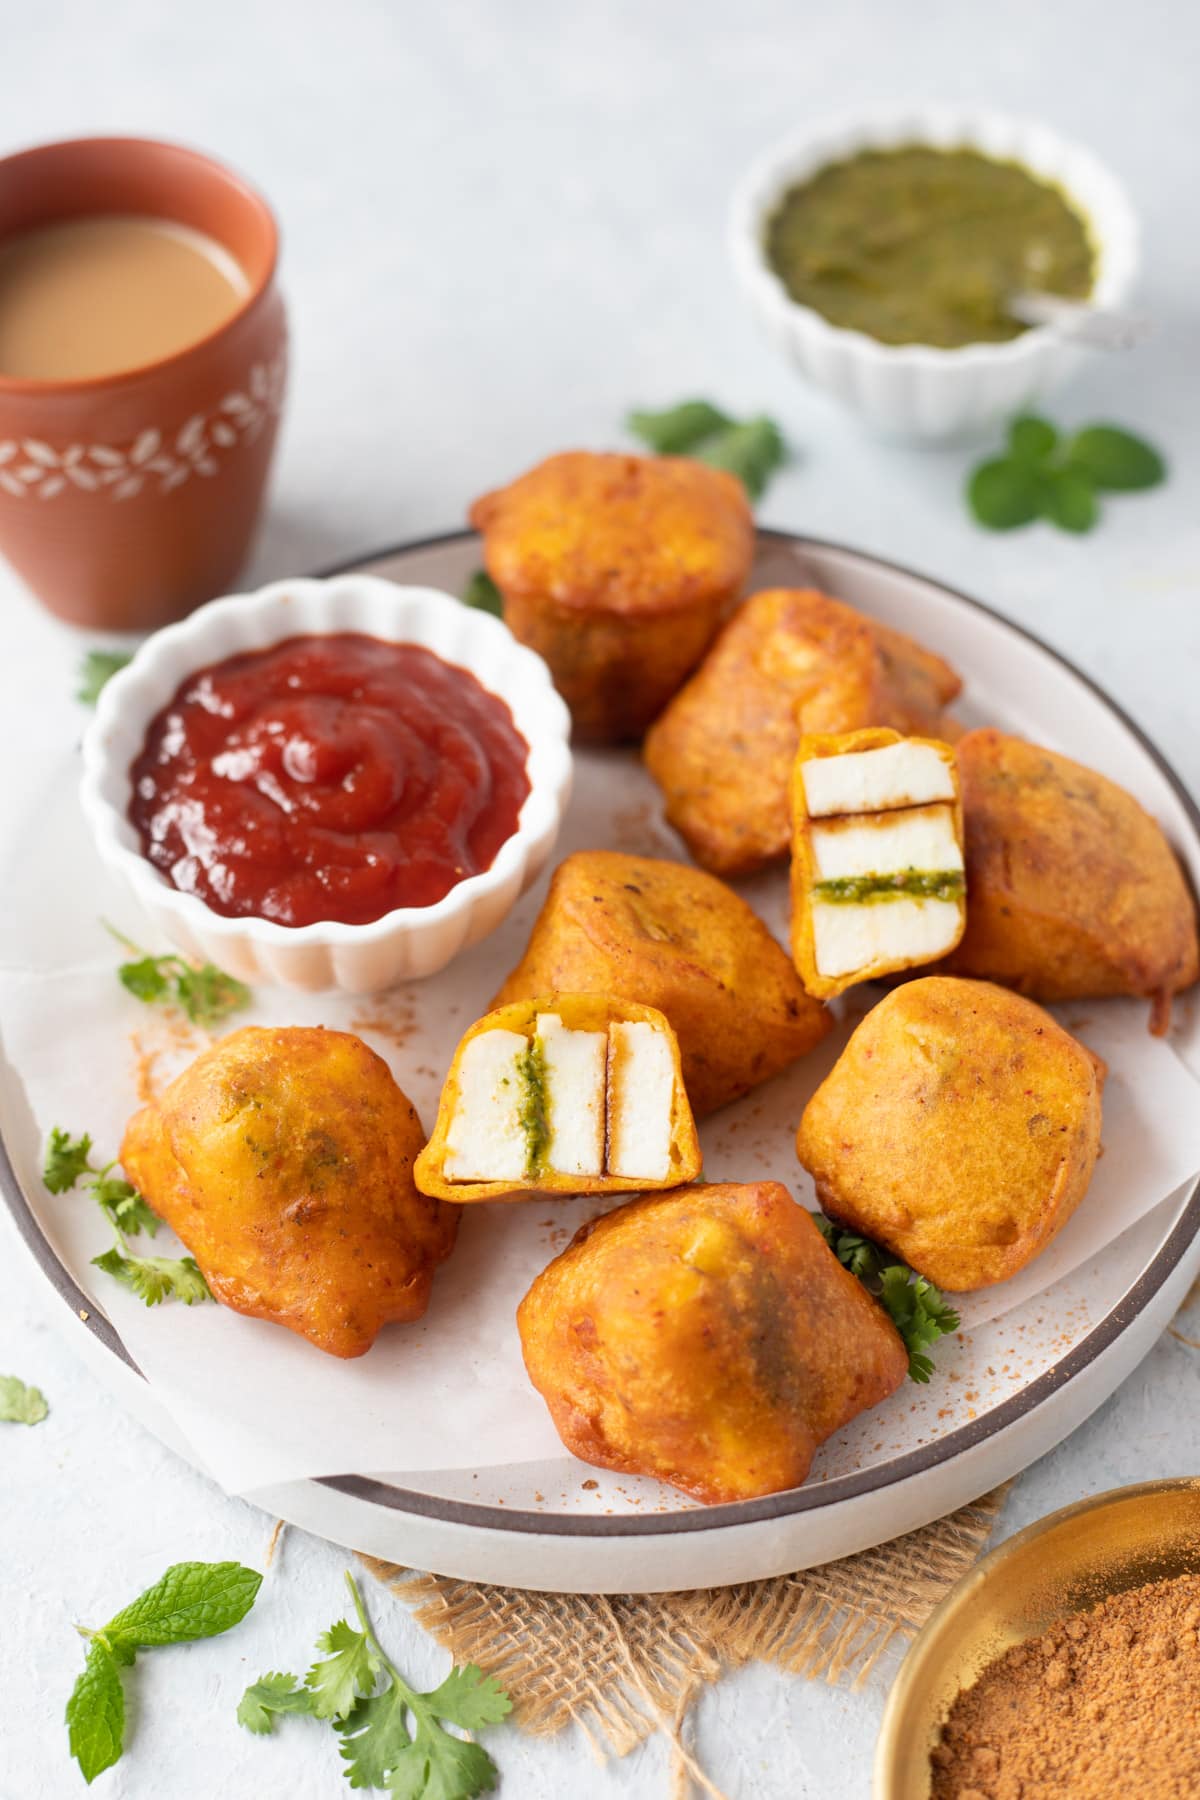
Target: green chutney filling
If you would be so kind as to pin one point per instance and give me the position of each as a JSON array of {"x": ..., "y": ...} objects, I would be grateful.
[
  {"x": 918, "y": 245},
  {"x": 904, "y": 884},
  {"x": 535, "y": 1106}
]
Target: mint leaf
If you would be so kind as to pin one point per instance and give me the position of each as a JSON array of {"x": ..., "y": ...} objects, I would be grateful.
[
  {"x": 469, "y": 1698},
  {"x": 192, "y": 1600},
  {"x": 678, "y": 429},
  {"x": 1003, "y": 494},
  {"x": 1068, "y": 499},
  {"x": 752, "y": 452},
  {"x": 21, "y": 1405},
  {"x": 269, "y": 1698},
  {"x": 919, "y": 1314},
  {"x": 347, "y": 1673},
  {"x": 482, "y": 593},
  {"x": 98, "y": 668},
  {"x": 96, "y": 1713},
  {"x": 1031, "y": 440},
  {"x": 1115, "y": 459},
  {"x": 66, "y": 1159},
  {"x": 156, "y": 1278}
]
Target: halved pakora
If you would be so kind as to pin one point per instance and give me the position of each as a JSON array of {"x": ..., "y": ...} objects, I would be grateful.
[
  {"x": 789, "y": 662},
  {"x": 676, "y": 939},
  {"x": 877, "y": 857},
  {"x": 1075, "y": 891},
  {"x": 960, "y": 1127},
  {"x": 709, "y": 1338},
  {"x": 283, "y": 1158},
  {"x": 562, "y": 1094},
  {"x": 617, "y": 569}
]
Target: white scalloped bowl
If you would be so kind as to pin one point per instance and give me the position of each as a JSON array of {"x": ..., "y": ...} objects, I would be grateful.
[
  {"x": 411, "y": 942},
  {"x": 919, "y": 392}
]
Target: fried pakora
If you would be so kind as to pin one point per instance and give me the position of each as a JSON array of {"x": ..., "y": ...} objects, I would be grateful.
[
  {"x": 790, "y": 661},
  {"x": 562, "y": 1094},
  {"x": 960, "y": 1127},
  {"x": 709, "y": 1338},
  {"x": 676, "y": 939},
  {"x": 1074, "y": 890},
  {"x": 283, "y": 1158},
  {"x": 877, "y": 857},
  {"x": 618, "y": 570}
]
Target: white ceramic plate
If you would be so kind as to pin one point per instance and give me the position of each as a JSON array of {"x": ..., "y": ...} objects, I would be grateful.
[{"x": 1002, "y": 1396}]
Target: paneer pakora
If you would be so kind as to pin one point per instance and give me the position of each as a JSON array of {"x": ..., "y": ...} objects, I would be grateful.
[
  {"x": 707, "y": 1337},
  {"x": 283, "y": 1159},
  {"x": 679, "y": 940},
  {"x": 789, "y": 662},
  {"x": 564, "y": 1093},
  {"x": 1074, "y": 890},
  {"x": 959, "y": 1127},
  {"x": 617, "y": 569},
  {"x": 877, "y": 857}
]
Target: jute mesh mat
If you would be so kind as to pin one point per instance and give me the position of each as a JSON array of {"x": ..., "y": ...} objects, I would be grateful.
[{"x": 624, "y": 1666}]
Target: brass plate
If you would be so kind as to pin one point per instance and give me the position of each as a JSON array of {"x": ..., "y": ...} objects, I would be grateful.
[{"x": 1063, "y": 1564}]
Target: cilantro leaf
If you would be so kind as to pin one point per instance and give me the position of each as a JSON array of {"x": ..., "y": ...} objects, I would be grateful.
[
  {"x": 482, "y": 593},
  {"x": 470, "y": 1698},
  {"x": 919, "y": 1314},
  {"x": 156, "y": 1278},
  {"x": 346, "y": 1675},
  {"x": 269, "y": 1698},
  {"x": 375, "y": 1737},
  {"x": 21, "y": 1405},
  {"x": 678, "y": 429},
  {"x": 96, "y": 1713},
  {"x": 1116, "y": 459},
  {"x": 66, "y": 1159},
  {"x": 98, "y": 668},
  {"x": 752, "y": 452},
  {"x": 206, "y": 993},
  {"x": 858, "y": 1254},
  {"x": 123, "y": 1206},
  {"x": 192, "y": 1600},
  {"x": 145, "y": 979},
  {"x": 1030, "y": 439},
  {"x": 1003, "y": 494},
  {"x": 437, "y": 1766}
]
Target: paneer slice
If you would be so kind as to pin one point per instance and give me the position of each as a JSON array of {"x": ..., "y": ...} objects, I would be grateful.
[
  {"x": 488, "y": 1136},
  {"x": 641, "y": 1095},
  {"x": 920, "y": 838},
  {"x": 906, "y": 773},
  {"x": 574, "y": 1073},
  {"x": 893, "y": 933}
]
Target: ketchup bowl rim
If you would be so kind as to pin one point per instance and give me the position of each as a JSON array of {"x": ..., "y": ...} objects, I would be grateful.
[{"x": 409, "y": 941}]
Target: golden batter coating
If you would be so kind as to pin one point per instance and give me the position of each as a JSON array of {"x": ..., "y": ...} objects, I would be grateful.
[
  {"x": 617, "y": 569},
  {"x": 1073, "y": 890},
  {"x": 283, "y": 1158},
  {"x": 707, "y": 1337},
  {"x": 959, "y": 1127},
  {"x": 789, "y": 661},
  {"x": 676, "y": 939}
]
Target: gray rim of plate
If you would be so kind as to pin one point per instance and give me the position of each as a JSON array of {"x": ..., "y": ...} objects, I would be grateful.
[{"x": 792, "y": 1500}]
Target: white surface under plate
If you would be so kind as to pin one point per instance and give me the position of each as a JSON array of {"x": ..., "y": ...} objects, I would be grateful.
[{"x": 1006, "y": 1388}]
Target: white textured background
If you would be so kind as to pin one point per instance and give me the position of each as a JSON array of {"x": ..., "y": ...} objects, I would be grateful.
[{"x": 503, "y": 224}]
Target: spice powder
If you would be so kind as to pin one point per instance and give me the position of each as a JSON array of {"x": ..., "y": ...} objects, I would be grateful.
[{"x": 1104, "y": 1703}]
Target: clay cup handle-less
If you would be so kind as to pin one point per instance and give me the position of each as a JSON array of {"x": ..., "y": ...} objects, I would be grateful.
[{"x": 127, "y": 499}]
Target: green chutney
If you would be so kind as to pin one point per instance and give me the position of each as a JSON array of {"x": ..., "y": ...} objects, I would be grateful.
[{"x": 924, "y": 246}]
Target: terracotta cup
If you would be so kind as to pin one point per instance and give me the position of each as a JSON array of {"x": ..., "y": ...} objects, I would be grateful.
[{"x": 127, "y": 499}]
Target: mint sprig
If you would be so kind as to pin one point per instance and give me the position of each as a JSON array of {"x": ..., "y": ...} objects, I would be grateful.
[
  {"x": 751, "y": 449},
  {"x": 394, "y": 1738},
  {"x": 914, "y": 1305},
  {"x": 1043, "y": 475},
  {"x": 192, "y": 1600}
]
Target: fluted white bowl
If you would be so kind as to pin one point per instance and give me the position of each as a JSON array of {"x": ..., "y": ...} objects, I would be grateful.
[
  {"x": 917, "y": 391},
  {"x": 412, "y": 941}
]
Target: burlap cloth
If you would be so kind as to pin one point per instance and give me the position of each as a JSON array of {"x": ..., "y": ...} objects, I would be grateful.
[{"x": 624, "y": 1666}]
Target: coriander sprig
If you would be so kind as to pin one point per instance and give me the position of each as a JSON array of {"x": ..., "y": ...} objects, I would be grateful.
[
  {"x": 96, "y": 670},
  {"x": 393, "y": 1738},
  {"x": 1045, "y": 476},
  {"x": 21, "y": 1405},
  {"x": 192, "y": 1600},
  {"x": 151, "y": 1278},
  {"x": 207, "y": 994},
  {"x": 752, "y": 449},
  {"x": 482, "y": 593},
  {"x": 914, "y": 1305}
]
